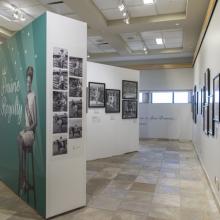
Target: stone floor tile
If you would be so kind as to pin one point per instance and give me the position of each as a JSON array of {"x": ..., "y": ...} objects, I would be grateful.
[{"x": 143, "y": 187}]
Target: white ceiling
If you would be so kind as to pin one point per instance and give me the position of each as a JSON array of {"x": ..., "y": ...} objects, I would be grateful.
[
  {"x": 177, "y": 22},
  {"x": 136, "y": 8}
]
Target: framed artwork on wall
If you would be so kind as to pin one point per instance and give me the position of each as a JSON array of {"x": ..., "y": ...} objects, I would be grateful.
[
  {"x": 216, "y": 98},
  {"x": 206, "y": 119},
  {"x": 96, "y": 95},
  {"x": 211, "y": 117},
  {"x": 201, "y": 101},
  {"x": 129, "y": 89},
  {"x": 112, "y": 101},
  {"x": 129, "y": 109},
  {"x": 207, "y": 84}
]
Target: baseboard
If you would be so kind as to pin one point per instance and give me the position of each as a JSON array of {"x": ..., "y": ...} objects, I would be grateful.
[
  {"x": 214, "y": 193},
  {"x": 165, "y": 139}
]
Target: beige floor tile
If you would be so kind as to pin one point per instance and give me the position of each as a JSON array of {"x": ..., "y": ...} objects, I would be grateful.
[
  {"x": 141, "y": 197},
  {"x": 167, "y": 200},
  {"x": 140, "y": 208},
  {"x": 143, "y": 187},
  {"x": 125, "y": 215}
]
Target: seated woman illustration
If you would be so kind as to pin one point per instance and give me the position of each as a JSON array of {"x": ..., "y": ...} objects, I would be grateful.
[{"x": 26, "y": 140}]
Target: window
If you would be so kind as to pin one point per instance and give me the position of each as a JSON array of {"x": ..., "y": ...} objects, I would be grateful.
[
  {"x": 181, "y": 97},
  {"x": 162, "y": 97},
  {"x": 140, "y": 97}
]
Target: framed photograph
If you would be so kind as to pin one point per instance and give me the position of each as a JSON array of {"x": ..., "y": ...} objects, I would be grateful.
[
  {"x": 201, "y": 101},
  {"x": 96, "y": 95},
  {"x": 211, "y": 117},
  {"x": 75, "y": 66},
  {"x": 59, "y": 101},
  {"x": 216, "y": 93},
  {"x": 60, "y": 79},
  {"x": 207, "y": 84},
  {"x": 75, "y": 128},
  {"x": 60, "y": 57},
  {"x": 75, "y": 87},
  {"x": 112, "y": 101},
  {"x": 60, "y": 122},
  {"x": 197, "y": 102},
  {"x": 129, "y": 109},
  {"x": 59, "y": 145},
  {"x": 129, "y": 89},
  {"x": 206, "y": 119},
  {"x": 75, "y": 108}
]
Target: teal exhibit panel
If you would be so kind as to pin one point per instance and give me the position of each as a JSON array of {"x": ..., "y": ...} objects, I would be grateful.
[
  {"x": 23, "y": 114},
  {"x": 42, "y": 114}
]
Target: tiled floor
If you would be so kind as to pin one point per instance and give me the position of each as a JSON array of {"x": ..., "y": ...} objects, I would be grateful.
[{"x": 163, "y": 181}]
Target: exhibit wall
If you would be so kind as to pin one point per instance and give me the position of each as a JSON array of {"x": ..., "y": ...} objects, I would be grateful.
[
  {"x": 66, "y": 109},
  {"x": 107, "y": 133},
  {"x": 169, "y": 121},
  {"x": 208, "y": 146},
  {"x": 23, "y": 113}
]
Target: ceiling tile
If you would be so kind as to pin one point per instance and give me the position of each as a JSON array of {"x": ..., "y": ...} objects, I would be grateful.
[
  {"x": 171, "y": 6},
  {"x": 130, "y": 37},
  {"x": 154, "y": 46},
  {"x": 35, "y": 11},
  {"x": 106, "y": 4},
  {"x": 112, "y": 14},
  {"x": 173, "y": 34},
  {"x": 142, "y": 11},
  {"x": 23, "y": 3},
  {"x": 133, "y": 2},
  {"x": 96, "y": 39},
  {"x": 61, "y": 8},
  {"x": 138, "y": 45},
  {"x": 149, "y": 35}
]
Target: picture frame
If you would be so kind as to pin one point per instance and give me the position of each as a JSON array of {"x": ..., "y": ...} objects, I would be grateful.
[
  {"x": 201, "y": 101},
  {"x": 129, "y": 89},
  {"x": 96, "y": 95},
  {"x": 216, "y": 97},
  {"x": 211, "y": 116},
  {"x": 206, "y": 119},
  {"x": 129, "y": 109},
  {"x": 112, "y": 100},
  {"x": 207, "y": 84}
]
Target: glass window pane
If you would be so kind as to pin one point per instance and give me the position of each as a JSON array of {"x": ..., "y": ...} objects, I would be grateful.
[
  {"x": 181, "y": 97},
  {"x": 140, "y": 97},
  {"x": 162, "y": 97}
]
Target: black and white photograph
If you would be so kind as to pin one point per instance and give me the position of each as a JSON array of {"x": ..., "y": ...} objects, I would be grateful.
[
  {"x": 216, "y": 92},
  {"x": 96, "y": 95},
  {"x": 129, "y": 89},
  {"x": 75, "y": 108},
  {"x": 60, "y": 123},
  {"x": 59, "y": 101},
  {"x": 60, "y": 58},
  {"x": 129, "y": 109},
  {"x": 206, "y": 119},
  {"x": 207, "y": 84},
  {"x": 75, "y": 87},
  {"x": 211, "y": 121},
  {"x": 60, "y": 79},
  {"x": 112, "y": 101},
  {"x": 75, "y": 128},
  {"x": 75, "y": 66},
  {"x": 59, "y": 145}
]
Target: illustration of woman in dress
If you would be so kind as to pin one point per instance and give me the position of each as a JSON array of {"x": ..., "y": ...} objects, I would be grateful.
[{"x": 26, "y": 139}]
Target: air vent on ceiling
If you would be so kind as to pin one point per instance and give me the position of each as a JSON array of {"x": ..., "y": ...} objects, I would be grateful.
[{"x": 55, "y": 3}]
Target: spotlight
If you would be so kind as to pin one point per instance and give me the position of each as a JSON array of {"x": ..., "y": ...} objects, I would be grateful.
[
  {"x": 121, "y": 7},
  {"x": 124, "y": 14},
  {"x": 127, "y": 21},
  {"x": 159, "y": 41},
  {"x": 148, "y": 2}
]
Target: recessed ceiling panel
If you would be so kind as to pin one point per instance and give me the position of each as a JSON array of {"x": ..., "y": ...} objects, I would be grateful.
[
  {"x": 138, "y": 45},
  {"x": 171, "y": 6},
  {"x": 112, "y": 14},
  {"x": 130, "y": 37},
  {"x": 35, "y": 11},
  {"x": 142, "y": 11},
  {"x": 133, "y": 2},
  {"x": 150, "y": 35},
  {"x": 23, "y": 3},
  {"x": 155, "y": 46},
  {"x": 106, "y": 4},
  {"x": 61, "y": 8}
]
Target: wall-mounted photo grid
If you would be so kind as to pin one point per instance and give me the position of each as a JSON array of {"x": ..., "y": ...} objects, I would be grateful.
[{"x": 67, "y": 100}]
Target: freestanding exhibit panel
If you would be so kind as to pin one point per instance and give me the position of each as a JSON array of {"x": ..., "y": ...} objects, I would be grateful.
[{"x": 42, "y": 112}]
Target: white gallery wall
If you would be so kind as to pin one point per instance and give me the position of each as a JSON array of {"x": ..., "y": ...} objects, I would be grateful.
[
  {"x": 209, "y": 147},
  {"x": 66, "y": 173},
  {"x": 170, "y": 121},
  {"x": 109, "y": 134}
]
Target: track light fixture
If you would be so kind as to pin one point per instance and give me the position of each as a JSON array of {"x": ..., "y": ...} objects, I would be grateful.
[{"x": 123, "y": 9}]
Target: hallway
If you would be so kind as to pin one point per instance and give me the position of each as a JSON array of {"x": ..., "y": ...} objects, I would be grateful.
[{"x": 164, "y": 180}]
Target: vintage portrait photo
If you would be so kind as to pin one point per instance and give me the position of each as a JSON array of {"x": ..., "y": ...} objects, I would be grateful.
[
  {"x": 59, "y": 101},
  {"x": 96, "y": 95},
  {"x": 75, "y": 108},
  {"x": 60, "y": 123},
  {"x": 216, "y": 90},
  {"x": 207, "y": 84},
  {"x": 75, "y": 87},
  {"x": 211, "y": 121},
  {"x": 75, "y": 66},
  {"x": 59, "y": 145},
  {"x": 129, "y": 89},
  {"x": 60, "y": 58},
  {"x": 129, "y": 109},
  {"x": 112, "y": 101},
  {"x": 60, "y": 79},
  {"x": 206, "y": 119},
  {"x": 75, "y": 128}
]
